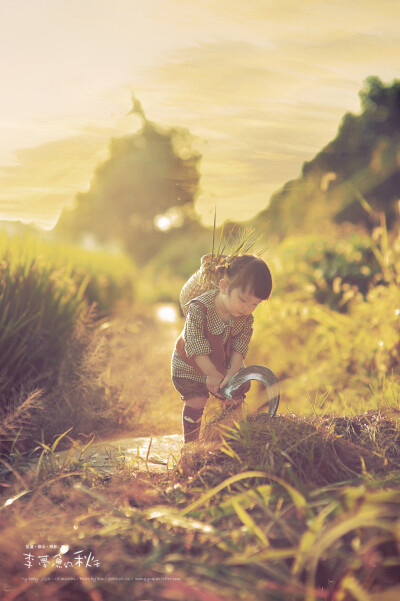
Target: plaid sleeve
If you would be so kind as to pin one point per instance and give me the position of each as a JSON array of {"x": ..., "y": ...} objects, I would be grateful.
[
  {"x": 240, "y": 342},
  {"x": 196, "y": 342}
]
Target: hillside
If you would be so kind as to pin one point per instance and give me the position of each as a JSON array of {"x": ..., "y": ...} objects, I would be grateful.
[{"x": 364, "y": 157}]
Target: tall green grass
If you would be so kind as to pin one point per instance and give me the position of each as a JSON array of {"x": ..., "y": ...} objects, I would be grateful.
[
  {"x": 39, "y": 306},
  {"x": 52, "y": 298},
  {"x": 44, "y": 290},
  {"x": 106, "y": 277}
]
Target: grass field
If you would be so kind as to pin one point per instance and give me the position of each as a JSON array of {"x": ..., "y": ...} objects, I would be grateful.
[{"x": 303, "y": 506}]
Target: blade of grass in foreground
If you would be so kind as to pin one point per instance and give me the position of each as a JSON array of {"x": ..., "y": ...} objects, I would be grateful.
[
  {"x": 298, "y": 499},
  {"x": 211, "y": 493}
]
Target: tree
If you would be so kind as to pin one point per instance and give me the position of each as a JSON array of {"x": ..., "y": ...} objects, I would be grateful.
[{"x": 145, "y": 189}]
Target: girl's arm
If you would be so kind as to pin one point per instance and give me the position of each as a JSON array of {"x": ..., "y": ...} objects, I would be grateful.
[
  {"x": 239, "y": 348},
  {"x": 235, "y": 364},
  {"x": 213, "y": 376},
  {"x": 198, "y": 347}
]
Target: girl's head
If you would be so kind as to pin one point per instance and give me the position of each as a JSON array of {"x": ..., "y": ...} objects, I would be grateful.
[
  {"x": 246, "y": 282},
  {"x": 251, "y": 275}
]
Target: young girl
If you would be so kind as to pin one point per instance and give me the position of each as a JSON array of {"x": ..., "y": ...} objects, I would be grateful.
[{"x": 216, "y": 336}]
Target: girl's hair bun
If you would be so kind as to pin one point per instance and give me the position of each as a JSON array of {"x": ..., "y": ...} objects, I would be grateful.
[
  {"x": 250, "y": 273},
  {"x": 220, "y": 270}
]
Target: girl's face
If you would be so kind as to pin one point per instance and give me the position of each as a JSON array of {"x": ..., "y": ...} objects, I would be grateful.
[{"x": 238, "y": 302}]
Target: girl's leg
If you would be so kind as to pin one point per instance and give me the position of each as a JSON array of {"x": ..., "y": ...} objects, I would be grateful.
[{"x": 191, "y": 417}]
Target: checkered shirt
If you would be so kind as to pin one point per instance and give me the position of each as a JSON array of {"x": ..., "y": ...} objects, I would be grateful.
[{"x": 196, "y": 342}]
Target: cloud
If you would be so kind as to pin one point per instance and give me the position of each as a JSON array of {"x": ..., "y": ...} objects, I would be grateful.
[
  {"x": 46, "y": 177},
  {"x": 311, "y": 20},
  {"x": 254, "y": 115}
]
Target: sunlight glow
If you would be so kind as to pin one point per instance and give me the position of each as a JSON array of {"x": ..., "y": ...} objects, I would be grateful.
[
  {"x": 171, "y": 218},
  {"x": 167, "y": 313},
  {"x": 163, "y": 223}
]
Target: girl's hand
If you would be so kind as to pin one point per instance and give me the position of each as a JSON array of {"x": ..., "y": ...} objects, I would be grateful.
[
  {"x": 229, "y": 375},
  {"x": 225, "y": 381},
  {"x": 213, "y": 382}
]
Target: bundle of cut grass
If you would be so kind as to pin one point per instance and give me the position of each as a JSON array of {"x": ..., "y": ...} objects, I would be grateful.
[
  {"x": 297, "y": 449},
  {"x": 208, "y": 276},
  {"x": 205, "y": 278}
]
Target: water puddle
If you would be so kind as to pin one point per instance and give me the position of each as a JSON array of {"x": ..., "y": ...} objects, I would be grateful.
[{"x": 153, "y": 454}]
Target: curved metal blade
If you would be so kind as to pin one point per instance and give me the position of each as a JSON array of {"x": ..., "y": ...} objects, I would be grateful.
[{"x": 255, "y": 372}]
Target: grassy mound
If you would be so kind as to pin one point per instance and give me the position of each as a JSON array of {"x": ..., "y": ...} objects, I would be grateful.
[{"x": 303, "y": 451}]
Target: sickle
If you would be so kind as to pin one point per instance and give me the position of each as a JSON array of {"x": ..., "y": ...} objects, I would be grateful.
[{"x": 255, "y": 372}]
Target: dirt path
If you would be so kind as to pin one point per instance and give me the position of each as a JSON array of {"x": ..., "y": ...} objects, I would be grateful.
[{"x": 140, "y": 343}]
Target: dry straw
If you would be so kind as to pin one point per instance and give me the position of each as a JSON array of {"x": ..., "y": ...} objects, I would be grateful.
[{"x": 207, "y": 277}]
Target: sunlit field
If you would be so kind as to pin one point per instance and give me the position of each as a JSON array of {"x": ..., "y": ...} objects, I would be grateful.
[{"x": 301, "y": 506}]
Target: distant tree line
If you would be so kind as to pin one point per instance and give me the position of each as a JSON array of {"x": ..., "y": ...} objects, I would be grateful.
[{"x": 363, "y": 161}]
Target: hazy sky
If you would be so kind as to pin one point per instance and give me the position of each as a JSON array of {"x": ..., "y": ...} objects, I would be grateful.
[{"x": 261, "y": 84}]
